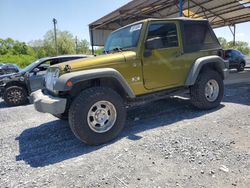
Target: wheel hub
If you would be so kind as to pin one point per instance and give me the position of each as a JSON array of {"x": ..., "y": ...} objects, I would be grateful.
[
  {"x": 101, "y": 116},
  {"x": 212, "y": 90}
]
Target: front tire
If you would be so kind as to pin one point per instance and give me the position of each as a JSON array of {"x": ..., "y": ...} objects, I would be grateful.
[
  {"x": 64, "y": 116},
  {"x": 97, "y": 115},
  {"x": 15, "y": 96},
  {"x": 208, "y": 91}
]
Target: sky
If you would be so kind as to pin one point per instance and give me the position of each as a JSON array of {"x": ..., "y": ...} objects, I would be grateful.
[{"x": 27, "y": 20}]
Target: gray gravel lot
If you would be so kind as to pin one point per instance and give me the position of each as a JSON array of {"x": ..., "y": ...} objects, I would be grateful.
[{"x": 165, "y": 144}]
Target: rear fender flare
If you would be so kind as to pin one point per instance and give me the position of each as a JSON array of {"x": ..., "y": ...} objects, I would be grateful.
[{"x": 219, "y": 64}]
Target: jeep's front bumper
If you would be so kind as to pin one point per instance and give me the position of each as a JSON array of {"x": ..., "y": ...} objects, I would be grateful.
[{"x": 47, "y": 103}]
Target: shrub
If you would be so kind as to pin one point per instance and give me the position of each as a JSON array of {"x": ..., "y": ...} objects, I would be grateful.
[{"x": 20, "y": 60}]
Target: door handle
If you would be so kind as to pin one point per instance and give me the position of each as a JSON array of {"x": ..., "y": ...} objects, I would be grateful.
[{"x": 178, "y": 54}]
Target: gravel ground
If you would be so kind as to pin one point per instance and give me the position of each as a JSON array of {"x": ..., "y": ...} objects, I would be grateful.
[{"x": 165, "y": 144}]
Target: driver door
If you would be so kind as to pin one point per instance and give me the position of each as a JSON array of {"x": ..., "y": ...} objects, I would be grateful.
[{"x": 163, "y": 63}]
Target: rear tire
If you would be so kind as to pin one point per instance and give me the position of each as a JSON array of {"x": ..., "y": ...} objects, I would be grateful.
[
  {"x": 15, "y": 96},
  {"x": 241, "y": 67},
  {"x": 208, "y": 91},
  {"x": 97, "y": 115}
]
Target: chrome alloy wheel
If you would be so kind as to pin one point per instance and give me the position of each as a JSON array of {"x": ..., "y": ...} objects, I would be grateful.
[
  {"x": 212, "y": 90},
  {"x": 101, "y": 116}
]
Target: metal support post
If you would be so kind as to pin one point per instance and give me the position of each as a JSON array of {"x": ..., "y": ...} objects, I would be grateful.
[
  {"x": 180, "y": 7},
  {"x": 233, "y": 32},
  {"x": 92, "y": 42},
  {"x": 55, "y": 22}
]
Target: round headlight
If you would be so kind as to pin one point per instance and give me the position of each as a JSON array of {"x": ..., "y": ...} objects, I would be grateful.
[{"x": 56, "y": 73}]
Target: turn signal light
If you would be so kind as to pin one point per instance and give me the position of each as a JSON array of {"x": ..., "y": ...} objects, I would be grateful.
[{"x": 69, "y": 83}]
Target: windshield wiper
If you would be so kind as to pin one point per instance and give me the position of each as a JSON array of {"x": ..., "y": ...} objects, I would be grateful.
[
  {"x": 113, "y": 50},
  {"x": 117, "y": 49}
]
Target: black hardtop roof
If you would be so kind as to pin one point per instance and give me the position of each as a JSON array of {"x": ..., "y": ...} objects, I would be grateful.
[
  {"x": 165, "y": 19},
  {"x": 177, "y": 18}
]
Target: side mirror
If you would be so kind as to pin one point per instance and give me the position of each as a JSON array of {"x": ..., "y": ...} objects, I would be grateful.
[
  {"x": 36, "y": 70},
  {"x": 154, "y": 43}
]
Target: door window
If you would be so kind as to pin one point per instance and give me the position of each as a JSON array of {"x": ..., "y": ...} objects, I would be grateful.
[{"x": 163, "y": 35}]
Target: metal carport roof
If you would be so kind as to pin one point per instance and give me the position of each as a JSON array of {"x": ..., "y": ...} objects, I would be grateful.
[{"x": 219, "y": 13}]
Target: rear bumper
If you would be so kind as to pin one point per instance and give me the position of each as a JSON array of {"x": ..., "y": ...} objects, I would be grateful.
[{"x": 47, "y": 103}]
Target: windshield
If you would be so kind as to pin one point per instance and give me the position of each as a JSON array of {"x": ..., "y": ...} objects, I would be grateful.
[{"x": 123, "y": 39}]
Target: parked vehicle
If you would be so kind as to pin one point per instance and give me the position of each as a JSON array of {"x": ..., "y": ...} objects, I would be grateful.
[
  {"x": 7, "y": 68},
  {"x": 16, "y": 87},
  {"x": 236, "y": 59},
  {"x": 144, "y": 61}
]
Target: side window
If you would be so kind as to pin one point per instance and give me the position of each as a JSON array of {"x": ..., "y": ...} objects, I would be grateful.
[
  {"x": 44, "y": 66},
  {"x": 163, "y": 35},
  {"x": 54, "y": 61},
  {"x": 235, "y": 53},
  {"x": 61, "y": 60},
  {"x": 198, "y": 36},
  {"x": 228, "y": 54}
]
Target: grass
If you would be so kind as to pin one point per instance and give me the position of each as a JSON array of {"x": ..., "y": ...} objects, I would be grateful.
[{"x": 20, "y": 60}]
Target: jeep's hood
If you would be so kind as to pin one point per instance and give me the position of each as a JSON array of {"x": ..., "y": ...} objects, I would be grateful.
[{"x": 98, "y": 62}]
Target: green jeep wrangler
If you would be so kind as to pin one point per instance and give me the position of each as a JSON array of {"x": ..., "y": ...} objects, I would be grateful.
[{"x": 144, "y": 61}]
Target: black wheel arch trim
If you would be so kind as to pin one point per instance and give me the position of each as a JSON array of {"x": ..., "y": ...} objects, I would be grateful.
[
  {"x": 84, "y": 75},
  {"x": 220, "y": 64},
  {"x": 17, "y": 83}
]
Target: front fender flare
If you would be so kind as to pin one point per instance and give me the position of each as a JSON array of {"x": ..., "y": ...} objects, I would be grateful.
[{"x": 84, "y": 75}]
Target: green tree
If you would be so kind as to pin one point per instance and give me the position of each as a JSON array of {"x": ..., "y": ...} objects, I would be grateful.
[
  {"x": 37, "y": 49},
  {"x": 3, "y": 47},
  {"x": 20, "y": 48},
  {"x": 65, "y": 43},
  {"x": 223, "y": 42},
  {"x": 6, "y": 46},
  {"x": 49, "y": 43},
  {"x": 83, "y": 47},
  {"x": 10, "y": 46},
  {"x": 99, "y": 51},
  {"x": 239, "y": 45}
]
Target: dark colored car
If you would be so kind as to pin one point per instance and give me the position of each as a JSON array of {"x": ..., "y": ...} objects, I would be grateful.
[
  {"x": 7, "y": 68},
  {"x": 236, "y": 59},
  {"x": 16, "y": 87}
]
